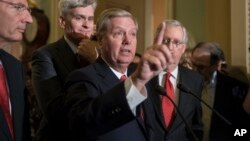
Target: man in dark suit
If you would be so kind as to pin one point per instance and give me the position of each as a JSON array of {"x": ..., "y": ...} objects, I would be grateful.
[
  {"x": 224, "y": 93},
  {"x": 99, "y": 105},
  {"x": 52, "y": 63},
  {"x": 185, "y": 124},
  {"x": 14, "y": 119}
]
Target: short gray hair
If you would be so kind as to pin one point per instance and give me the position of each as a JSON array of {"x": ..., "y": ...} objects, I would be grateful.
[
  {"x": 65, "y": 5},
  {"x": 107, "y": 15}
]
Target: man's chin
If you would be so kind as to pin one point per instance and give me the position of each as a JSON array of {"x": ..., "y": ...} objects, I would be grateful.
[{"x": 16, "y": 38}]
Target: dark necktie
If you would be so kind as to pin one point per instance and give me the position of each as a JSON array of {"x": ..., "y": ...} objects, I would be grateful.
[
  {"x": 167, "y": 105},
  {"x": 82, "y": 62},
  {"x": 4, "y": 100},
  {"x": 123, "y": 77}
]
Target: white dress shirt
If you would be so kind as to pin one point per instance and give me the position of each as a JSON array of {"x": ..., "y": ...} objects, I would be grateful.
[{"x": 133, "y": 95}]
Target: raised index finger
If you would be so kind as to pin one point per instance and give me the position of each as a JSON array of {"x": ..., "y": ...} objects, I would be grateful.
[{"x": 160, "y": 34}]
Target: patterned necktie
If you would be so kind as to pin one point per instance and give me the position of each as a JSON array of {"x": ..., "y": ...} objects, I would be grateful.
[
  {"x": 167, "y": 105},
  {"x": 4, "y": 100},
  {"x": 123, "y": 77}
]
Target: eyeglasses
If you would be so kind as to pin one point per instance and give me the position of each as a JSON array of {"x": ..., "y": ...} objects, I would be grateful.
[
  {"x": 18, "y": 6},
  {"x": 175, "y": 43}
]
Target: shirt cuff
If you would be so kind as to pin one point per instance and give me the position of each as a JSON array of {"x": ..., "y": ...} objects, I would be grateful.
[{"x": 133, "y": 95}]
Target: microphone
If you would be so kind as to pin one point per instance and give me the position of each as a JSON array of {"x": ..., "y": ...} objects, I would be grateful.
[
  {"x": 187, "y": 90},
  {"x": 162, "y": 92}
]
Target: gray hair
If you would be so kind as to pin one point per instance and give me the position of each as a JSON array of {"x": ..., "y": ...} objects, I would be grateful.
[
  {"x": 105, "y": 17},
  {"x": 65, "y": 5},
  {"x": 175, "y": 23}
]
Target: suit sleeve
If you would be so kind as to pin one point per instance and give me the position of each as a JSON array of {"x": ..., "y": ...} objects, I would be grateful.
[
  {"x": 45, "y": 82},
  {"x": 92, "y": 112}
]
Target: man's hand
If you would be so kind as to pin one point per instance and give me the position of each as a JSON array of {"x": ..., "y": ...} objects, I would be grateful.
[
  {"x": 87, "y": 50},
  {"x": 155, "y": 59}
]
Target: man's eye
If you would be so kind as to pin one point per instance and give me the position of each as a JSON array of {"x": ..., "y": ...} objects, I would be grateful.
[
  {"x": 166, "y": 41},
  {"x": 91, "y": 19},
  {"x": 20, "y": 7},
  {"x": 133, "y": 34},
  {"x": 176, "y": 42},
  {"x": 78, "y": 17},
  {"x": 118, "y": 34}
]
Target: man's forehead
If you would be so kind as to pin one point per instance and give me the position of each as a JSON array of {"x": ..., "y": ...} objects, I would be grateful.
[
  {"x": 172, "y": 30},
  {"x": 200, "y": 56},
  {"x": 118, "y": 24}
]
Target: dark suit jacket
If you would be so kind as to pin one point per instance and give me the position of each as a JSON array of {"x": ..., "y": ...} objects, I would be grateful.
[
  {"x": 228, "y": 100},
  {"x": 98, "y": 108},
  {"x": 188, "y": 106},
  {"x": 51, "y": 65},
  {"x": 18, "y": 98}
]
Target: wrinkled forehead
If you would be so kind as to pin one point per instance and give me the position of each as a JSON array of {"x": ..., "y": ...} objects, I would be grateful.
[
  {"x": 119, "y": 20},
  {"x": 174, "y": 31},
  {"x": 122, "y": 20},
  {"x": 201, "y": 56},
  {"x": 25, "y": 2}
]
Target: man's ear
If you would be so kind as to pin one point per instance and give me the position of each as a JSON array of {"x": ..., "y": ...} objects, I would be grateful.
[
  {"x": 62, "y": 22},
  {"x": 184, "y": 48}
]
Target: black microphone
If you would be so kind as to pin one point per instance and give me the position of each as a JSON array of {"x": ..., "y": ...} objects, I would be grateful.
[
  {"x": 162, "y": 92},
  {"x": 187, "y": 90}
]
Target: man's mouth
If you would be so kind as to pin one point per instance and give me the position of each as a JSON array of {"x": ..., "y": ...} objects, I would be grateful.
[{"x": 125, "y": 51}]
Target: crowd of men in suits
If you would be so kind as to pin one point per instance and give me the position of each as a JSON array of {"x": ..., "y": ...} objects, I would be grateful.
[{"x": 95, "y": 93}]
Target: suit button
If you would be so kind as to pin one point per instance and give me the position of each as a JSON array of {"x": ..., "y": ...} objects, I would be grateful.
[{"x": 117, "y": 109}]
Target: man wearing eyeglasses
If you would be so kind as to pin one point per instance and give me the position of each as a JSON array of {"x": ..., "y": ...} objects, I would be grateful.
[
  {"x": 176, "y": 114},
  {"x": 14, "y": 118}
]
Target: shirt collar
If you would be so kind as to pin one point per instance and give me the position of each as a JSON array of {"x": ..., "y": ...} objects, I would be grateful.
[
  {"x": 212, "y": 81},
  {"x": 118, "y": 74},
  {"x": 174, "y": 73},
  {"x": 71, "y": 45}
]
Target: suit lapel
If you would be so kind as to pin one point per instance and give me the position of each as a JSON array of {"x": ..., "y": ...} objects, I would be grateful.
[
  {"x": 154, "y": 98},
  {"x": 110, "y": 79},
  {"x": 107, "y": 77},
  {"x": 66, "y": 55},
  {"x": 182, "y": 105},
  {"x": 106, "y": 74},
  {"x": 184, "y": 100}
]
